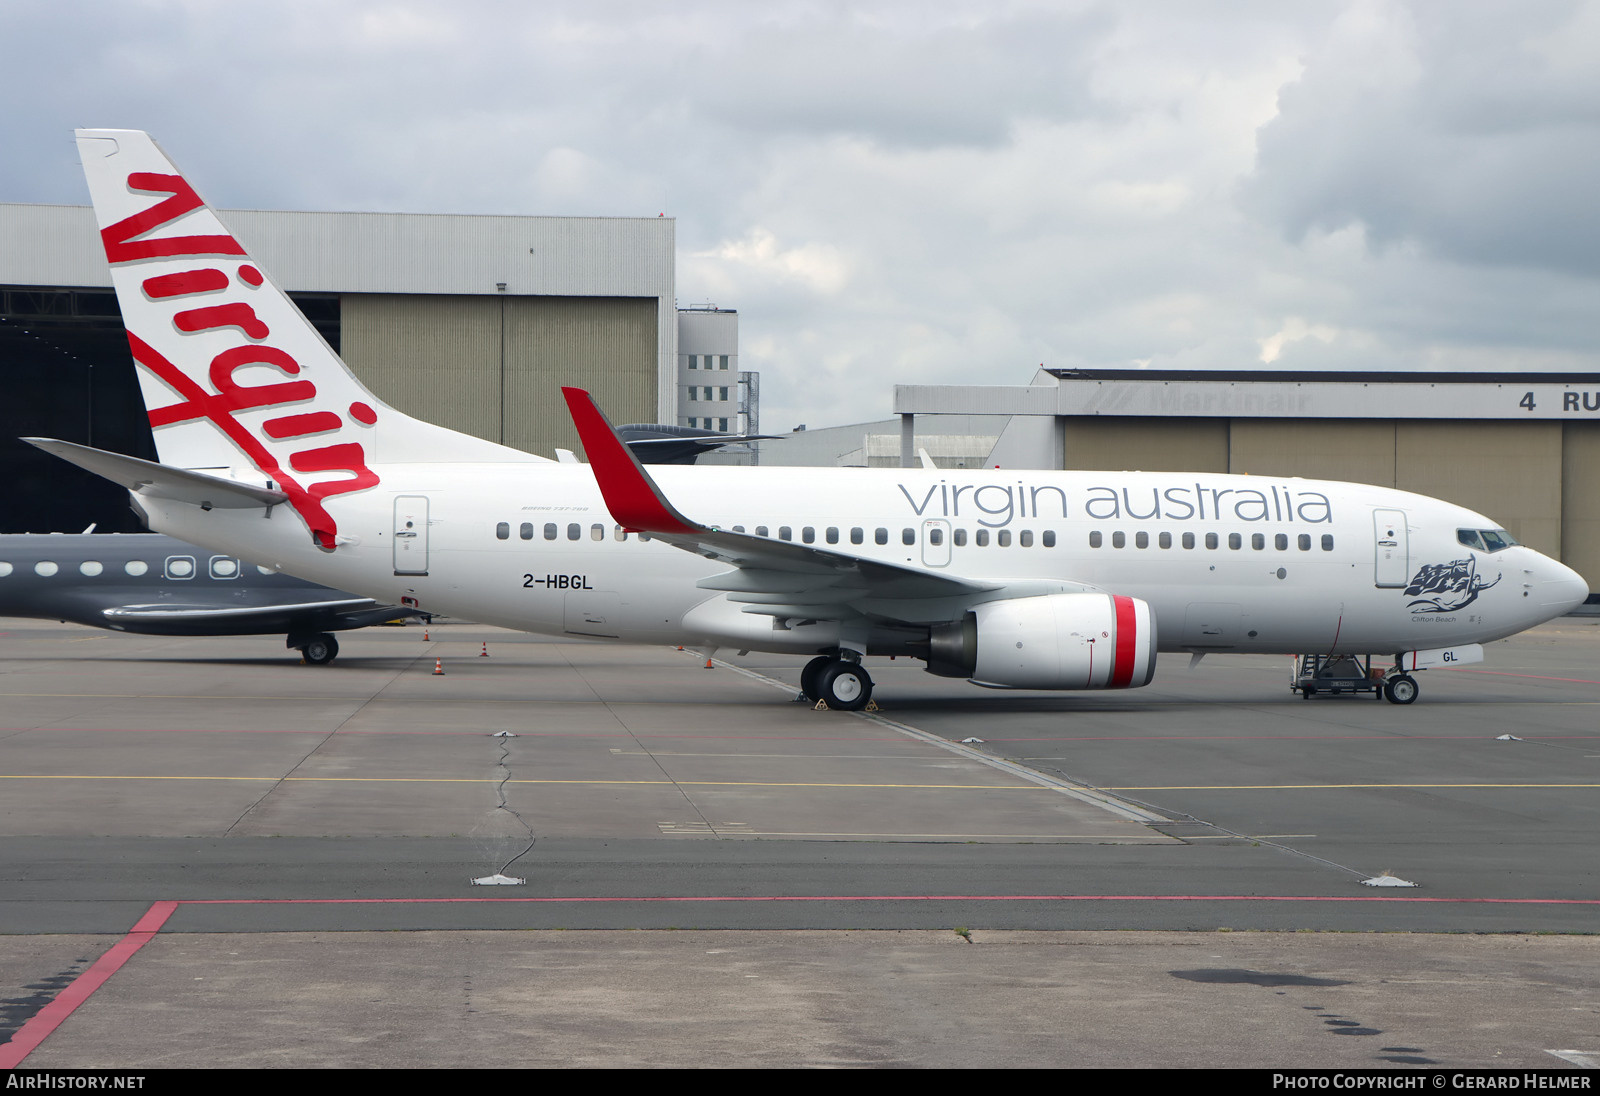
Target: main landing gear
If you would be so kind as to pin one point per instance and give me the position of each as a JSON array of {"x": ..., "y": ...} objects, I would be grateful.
[
  {"x": 840, "y": 683},
  {"x": 317, "y": 650}
]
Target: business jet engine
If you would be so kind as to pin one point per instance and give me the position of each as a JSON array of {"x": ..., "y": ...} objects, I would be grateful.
[{"x": 1057, "y": 641}]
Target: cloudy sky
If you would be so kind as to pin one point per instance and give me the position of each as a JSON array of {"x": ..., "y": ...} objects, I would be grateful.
[{"x": 919, "y": 192}]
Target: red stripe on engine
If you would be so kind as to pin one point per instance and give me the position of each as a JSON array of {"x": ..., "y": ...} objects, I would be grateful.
[{"x": 1127, "y": 643}]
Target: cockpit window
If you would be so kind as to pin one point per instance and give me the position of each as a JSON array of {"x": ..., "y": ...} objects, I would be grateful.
[{"x": 1486, "y": 540}]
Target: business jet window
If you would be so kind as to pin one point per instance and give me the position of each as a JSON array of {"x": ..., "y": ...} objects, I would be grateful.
[
  {"x": 1025, "y": 538},
  {"x": 90, "y": 567},
  {"x": 502, "y": 531},
  {"x": 136, "y": 567},
  {"x": 808, "y": 534},
  {"x": 1049, "y": 538},
  {"x": 908, "y": 536},
  {"x": 1141, "y": 540},
  {"x": 1119, "y": 540},
  {"x": 550, "y": 531},
  {"x": 180, "y": 567},
  {"x": 880, "y": 536},
  {"x": 959, "y": 538},
  {"x": 983, "y": 538},
  {"x": 525, "y": 530},
  {"x": 1188, "y": 540},
  {"x": 574, "y": 531},
  {"x": 1164, "y": 540},
  {"x": 5, "y": 569},
  {"x": 858, "y": 535},
  {"x": 1211, "y": 540},
  {"x": 44, "y": 568},
  {"x": 1094, "y": 539},
  {"x": 222, "y": 567}
]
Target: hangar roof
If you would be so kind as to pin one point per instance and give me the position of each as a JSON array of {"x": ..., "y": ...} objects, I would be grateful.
[{"x": 58, "y": 245}]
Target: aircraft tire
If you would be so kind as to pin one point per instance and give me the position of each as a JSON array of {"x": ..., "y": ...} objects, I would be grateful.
[
  {"x": 844, "y": 686},
  {"x": 320, "y": 649},
  {"x": 1401, "y": 690},
  {"x": 809, "y": 675}
]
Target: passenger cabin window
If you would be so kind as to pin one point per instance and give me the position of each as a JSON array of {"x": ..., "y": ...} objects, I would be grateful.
[
  {"x": 808, "y": 534},
  {"x": 44, "y": 568},
  {"x": 503, "y": 530},
  {"x": 785, "y": 533},
  {"x": 525, "y": 530},
  {"x": 1305, "y": 542},
  {"x": 936, "y": 536},
  {"x": 1235, "y": 541},
  {"x": 959, "y": 538},
  {"x": 5, "y": 569},
  {"x": 221, "y": 567},
  {"x": 137, "y": 567},
  {"x": 1164, "y": 540},
  {"x": 1119, "y": 540},
  {"x": 761, "y": 531},
  {"x": 880, "y": 536},
  {"x": 1211, "y": 540},
  {"x": 550, "y": 531},
  {"x": 597, "y": 532},
  {"x": 832, "y": 535},
  {"x": 1327, "y": 542},
  {"x": 857, "y": 535},
  {"x": 574, "y": 531},
  {"x": 1258, "y": 541},
  {"x": 1188, "y": 540},
  {"x": 1003, "y": 538},
  {"x": 1094, "y": 539},
  {"x": 178, "y": 566},
  {"x": 983, "y": 538},
  {"x": 1049, "y": 538},
  {"x": 1281, "y": 542},
  {"x": 90, "y": 568},
  {"x": 908, "y": 536},
  {"x": 1141, "y": 539},
  {"x": 1025, "y": 538}
]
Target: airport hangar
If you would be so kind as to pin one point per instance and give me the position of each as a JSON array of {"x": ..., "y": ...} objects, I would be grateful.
[
  {"x": 1521, "y": 448},
  {"x": 473, "y": 322}
]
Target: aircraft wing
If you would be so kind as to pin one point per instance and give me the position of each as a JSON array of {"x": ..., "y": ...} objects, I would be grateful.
[{"x": 771, "y": 577}]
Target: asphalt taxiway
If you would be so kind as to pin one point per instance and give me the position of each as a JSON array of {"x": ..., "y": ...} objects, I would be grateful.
[{"x": 214, "y": 790}]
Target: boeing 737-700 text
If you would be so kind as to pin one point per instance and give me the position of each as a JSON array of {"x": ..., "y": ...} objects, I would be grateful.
[{"x": 271, "y": 449}]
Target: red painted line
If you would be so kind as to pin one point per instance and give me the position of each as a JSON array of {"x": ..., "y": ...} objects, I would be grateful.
[
  {"x": 892, "y": 898},
  {"x": 1530, "y": 677},
  {"x": 47, "y": 1019}
]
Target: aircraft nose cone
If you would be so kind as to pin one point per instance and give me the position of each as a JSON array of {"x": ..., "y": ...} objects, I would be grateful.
[{"x": 1566, "y": 589}]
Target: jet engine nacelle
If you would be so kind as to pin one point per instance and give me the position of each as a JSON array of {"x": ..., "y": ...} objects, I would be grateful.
[{"x": 1058, "y": 641}]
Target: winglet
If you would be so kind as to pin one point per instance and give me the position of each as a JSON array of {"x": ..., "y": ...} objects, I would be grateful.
[{"x": 633, "y": 498}]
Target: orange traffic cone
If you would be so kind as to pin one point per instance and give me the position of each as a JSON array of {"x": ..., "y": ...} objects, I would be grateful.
[
  {"x": 485, "y": 652},
  {"x": 708, "y": 665},
  {"x": 438, "y": 666},
  {"x": 425, "y": 633}
]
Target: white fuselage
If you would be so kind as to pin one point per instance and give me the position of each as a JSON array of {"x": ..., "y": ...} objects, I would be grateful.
[{"x": 1297, "y": 566}]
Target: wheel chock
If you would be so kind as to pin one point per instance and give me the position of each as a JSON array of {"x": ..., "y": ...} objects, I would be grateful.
[
  {"x": 872, "y": 706},
  {"x": 821, "y": 706}
]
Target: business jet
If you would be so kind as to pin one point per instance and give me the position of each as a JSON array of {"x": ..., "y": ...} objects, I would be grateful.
[
  {"x": 271, "y": 449},
  {"x": 150, "y": 584}
]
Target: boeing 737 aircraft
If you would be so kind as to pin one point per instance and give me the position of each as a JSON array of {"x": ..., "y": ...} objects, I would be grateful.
[
  {"x": 154, "y": 585},
  {"x": 270, "y": 448}
]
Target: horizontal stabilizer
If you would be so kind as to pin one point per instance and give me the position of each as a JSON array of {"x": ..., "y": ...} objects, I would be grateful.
[{"x": 159, "y": 481}]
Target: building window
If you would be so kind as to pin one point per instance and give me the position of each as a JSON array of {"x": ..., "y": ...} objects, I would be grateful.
[
  {"x": 723, "y": 363},
  {"x": 722, "y": 425},
  {"x": 694, "y": 363}
]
